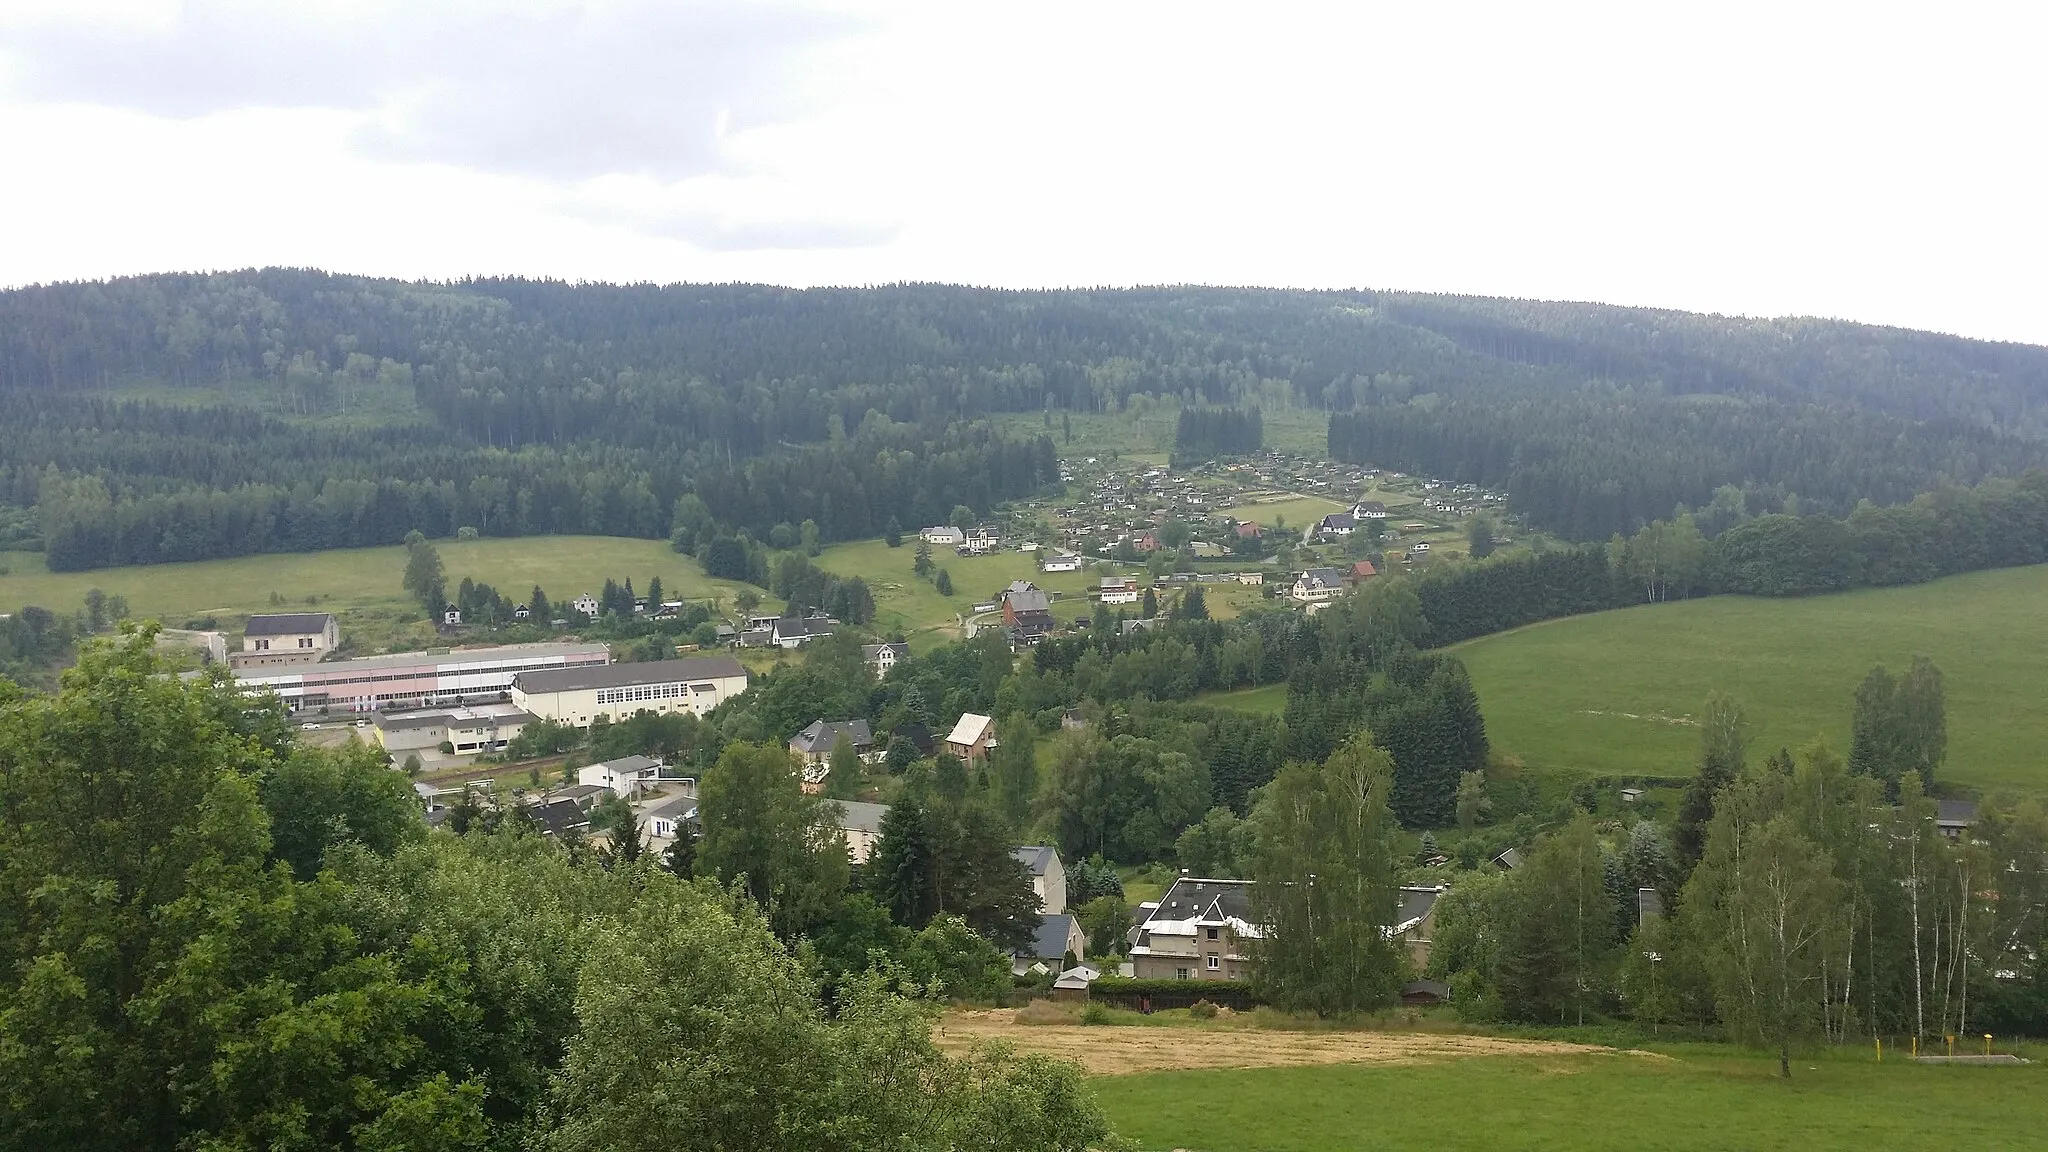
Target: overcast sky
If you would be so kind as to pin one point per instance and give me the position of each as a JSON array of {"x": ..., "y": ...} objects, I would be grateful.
[{"x": 1861, "y": 160}]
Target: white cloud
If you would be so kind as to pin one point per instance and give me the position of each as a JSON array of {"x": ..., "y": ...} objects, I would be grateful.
[{"x": 1855, "y": 161}]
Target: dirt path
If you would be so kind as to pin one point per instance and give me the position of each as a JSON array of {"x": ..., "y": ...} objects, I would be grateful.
[{"x": 1113, "y": 1050}]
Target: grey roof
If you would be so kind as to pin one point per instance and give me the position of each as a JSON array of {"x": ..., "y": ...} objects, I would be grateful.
[
  {"x": 821, "y": 735},
  {"x": 407, "y": 721},
  {"x": 1018, "y": 587},
  {"x": 629, "y": 765},
  {"x": 1339, "y": 520},
  {"x": 1050, "y": 941},
  {"x": 621, "y": 675},
  {"x": 1961, "y": 812},
  {"x": 1435, "y": 989},
  {"x": 1649, "y": 902},
  {"x": 860, "y": 817},
  {"x": 871, "y": 652},
  {"x": 1205, "y": 898},
  {"x": 288, "y": 624},
  {"x": 1329, "y": 577},
  {"x": 1036, "y": 857},
  {"x": 1415, "y": 904},
  {"x": 670, "y": 806},
  {"x": 559, "y": 816},
  {"x": 1509, "y": 860},
  {"x": 1032, "y": 600}
]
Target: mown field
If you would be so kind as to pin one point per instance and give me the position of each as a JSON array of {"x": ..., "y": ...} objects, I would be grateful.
[
  {"x": 1618, "y": 692},
  {"x": 1695, "y": 1100}
]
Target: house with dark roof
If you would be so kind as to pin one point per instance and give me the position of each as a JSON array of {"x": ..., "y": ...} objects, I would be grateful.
[
  {"x": 862, "y": 825},
  {"x": 1057, "y": 938},
  {"x": 1048, "y": 876},
  {"x": 285, "y": 638},
  {"x": 921, "y": 738},
  {"x": 1952, "y": 818},
  {"x": 882, "y": 657},
  {"x": 1198, "y": 930},
  {"x": 793, "y": 631},
  {"x": 1318, "y": 585},
  {"x": 1027, "y": 612},
  {"x": 1336, "y": 525},
  {"x": 1369, "y": 510},
  {"x": 815, "y": 743}
]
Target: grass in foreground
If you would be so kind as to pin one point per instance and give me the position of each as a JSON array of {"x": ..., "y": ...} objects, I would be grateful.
[
  {"x": 1266, "y": 699},
  {"x": 1624, "y": 1103},
  {"x": 1619, "y": 692}
]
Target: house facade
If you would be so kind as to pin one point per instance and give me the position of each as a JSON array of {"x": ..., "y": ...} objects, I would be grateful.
[
  {"x": 470, "y": 730},
  {"x": 944, "y": 534},
  {"x": 585, "y": 604},
  {"x": 1060, "y": 562},
  {"x": 628, "y": 776},
  {"x": 862, "y": 825},
  {"x": 1027, "y": 612},
  {"x": 815, "y": 743},
  {"x": 1119, "y": 590},
  {"x": 882, "y": 657},
  {"x": 1048, "y": 876},
  {"x": 1317, "y": 585},
  {"x": 971, "y": 738},
  {"x": 280, "y": 639},
  {"x": 578, "y": 696},
  {"x": 1200, "y": 929}
]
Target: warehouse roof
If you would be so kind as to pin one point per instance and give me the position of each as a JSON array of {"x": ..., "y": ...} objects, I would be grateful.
[{"x": 621, "y": 675}]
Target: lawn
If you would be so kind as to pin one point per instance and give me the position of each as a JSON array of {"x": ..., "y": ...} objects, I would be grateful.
[
  {"x": 1691, "y": 1100},
  {"x": 904, "y": 601},
  {"x": 359, "y": 579},
  {"x": 1269, "y": 698},
  {"x": 1618, "y": 692},
  {"x": 1294, "y": 511}
]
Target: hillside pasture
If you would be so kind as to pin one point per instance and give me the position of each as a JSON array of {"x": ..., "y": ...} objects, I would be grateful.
[
  {"x": 1620, "y": 692},
  {"x": 360, "y": 579}
]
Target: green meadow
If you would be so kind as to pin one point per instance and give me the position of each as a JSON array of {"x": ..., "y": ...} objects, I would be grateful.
[
  {"x": 1618, "y": 692},
  {"x": 1695, "y": 1099}
]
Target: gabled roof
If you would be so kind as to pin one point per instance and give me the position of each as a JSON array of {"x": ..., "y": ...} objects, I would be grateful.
[
  {"x": 1196, "y": 900},
  {"x": 1050, "y": 941},
  {"x": 1036, "y": 857},
  {"x": 1364, "y": 568},
  {"x": 919, "y": 736},
  {"x": 288, "y": 624},
  {"x": 1339, "y": 520},
  {"x": 971, "y": 729},
  {"x": 821, "y": 735},
  {"x": 1960, "y": 813},
  {"x": 873, "y": 652},
  {"x": 1029, "y": 601},
  {"x": 1416, "y": 903},
  {"x": 1324, "y": 577}
]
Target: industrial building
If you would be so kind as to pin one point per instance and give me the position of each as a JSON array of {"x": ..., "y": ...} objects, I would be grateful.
[
  {"x": 579, "y": 696},
  {"x": 466, "y": 729},
  {"x": 418, "y": 679}
]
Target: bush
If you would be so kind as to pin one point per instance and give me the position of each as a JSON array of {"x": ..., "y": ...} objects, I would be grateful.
[
  {"x": 1093, "y": 1013},
  {"x": 1202, "y": 1010},
  {"x": 1045, "y": 1012}
]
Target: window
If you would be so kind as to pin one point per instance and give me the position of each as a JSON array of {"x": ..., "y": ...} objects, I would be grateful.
[
  {"x": 1215, "y": 962},
  {"x": 305, "y": 641},
  {"x": 263, "y": 645},
  {"x": 1180, "y": 973},
  {"x": 1212, "y": 933}
]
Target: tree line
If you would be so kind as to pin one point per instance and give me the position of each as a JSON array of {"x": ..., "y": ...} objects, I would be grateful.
[
  {"x": 215, "y": 937},
  {"x": 1207, "y": 433}
]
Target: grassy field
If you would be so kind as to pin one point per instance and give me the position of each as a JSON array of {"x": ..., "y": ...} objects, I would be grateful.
[
  {"x": 1693, "y": 1100},
  {"x": 359, "y": 579},
  {"x": 1266, "y": 698},
  {"x": 904, "y": 601},
  {"x": 1617, "y": 692},
  {"x": 1298, "y": 512}
]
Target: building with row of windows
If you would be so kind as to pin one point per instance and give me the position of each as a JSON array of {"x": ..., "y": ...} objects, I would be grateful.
[
  {"x": 579, "y": 696},
  {"x": 418, "y": 679}
]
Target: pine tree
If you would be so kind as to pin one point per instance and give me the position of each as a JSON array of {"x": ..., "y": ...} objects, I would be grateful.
[
  {"x": 943, "y": 583},
  {"x": 1724, "y": 749}
]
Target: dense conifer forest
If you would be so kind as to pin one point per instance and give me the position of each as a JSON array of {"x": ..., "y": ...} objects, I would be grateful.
[{"x": 181, "y": 416}]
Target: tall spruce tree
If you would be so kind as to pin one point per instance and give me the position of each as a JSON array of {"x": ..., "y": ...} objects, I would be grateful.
[{"x": 1724, "y": 750}]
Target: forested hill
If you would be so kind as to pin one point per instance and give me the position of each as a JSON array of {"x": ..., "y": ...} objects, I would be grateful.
[{"x": 1595, "y": 418}]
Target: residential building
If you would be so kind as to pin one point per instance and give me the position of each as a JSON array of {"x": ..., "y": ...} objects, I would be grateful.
[
  {"x": 417, "y": 679},
  {"x": 1369, "y": 510},
  {"x": 1057, "y": 938},
  {"x": 1317, "y": 585},
  {"x": 816, "y": 741},
  {"x": 667, "y": 816},
  {"x": 862, "y": 824},
  {"x": 1119, "y": 590},
  {"x": 1361, "y": 571},
  {"x": 1048, "y": 876},
  {"x": 793, "y": 631},
  {"x": 882, "y": 657},
  {"x": 1197, "y": 931},
  {"x": 1148, "y": 542},
  {"x": 281, "y": 639},
  {"x": 945, "y": 534},
  {"x": 628, "y": 776},
  {"x": 1253, "y": 578},
  {"x": 1027, "y": 612},
  {"x": 984, "y": 540},
  {"x": 1250, "y": 530},
  {"x": 585, "y": 604},
  {"x": 1336, "y": 526},
  {"x": 1060, "y": 562},
  {"x": 972, "y": 737},
  {"x": 1952, "y": 818},
  {"x": 469, "y": 730},
  {"x": 1415, "y": 922},
  {"x": 580, "y": 695}
]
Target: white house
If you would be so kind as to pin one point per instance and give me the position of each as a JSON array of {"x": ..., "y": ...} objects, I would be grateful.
[
  {"x": 1252, "y": 578},
  {"x": 287, "y": 638},
  {"x": 862, "y": 824},
  {"x": 1369, "y": 510},
  {"x": 1317, "y": 585},
  {"x": 882, "y": 657},
  {"x": 1048, "y": 876},
  {"x": 1119, "y": 590},
  {"x": 945, "y": 534},
  {"x": 586, "y": 604},
  {"x": 1336, "y": 524},
  {"x": 1060, "y": 562},
  {"x": 627, "y": 776}
]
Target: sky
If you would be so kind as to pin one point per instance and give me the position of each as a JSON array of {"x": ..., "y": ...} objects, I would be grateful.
[{"x": 1865, "y": 161}]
